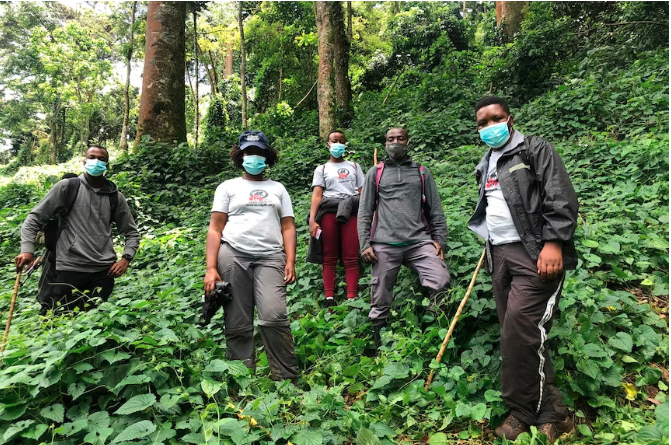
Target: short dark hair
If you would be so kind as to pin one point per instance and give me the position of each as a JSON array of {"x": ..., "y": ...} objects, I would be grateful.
[
  {"x": 237, "y": 156},
  {"x": 100, "y": 147},
  {"x": 492, "y": 100},
  {"x": 335, "y": 131}
]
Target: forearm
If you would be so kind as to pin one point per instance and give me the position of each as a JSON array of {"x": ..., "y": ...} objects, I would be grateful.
[
  {"x": 290, "y": 241},
  {"x": 317, "y": 197},
  {"x": 212, "y": 248},
  {"x": 29, "y": 231}
]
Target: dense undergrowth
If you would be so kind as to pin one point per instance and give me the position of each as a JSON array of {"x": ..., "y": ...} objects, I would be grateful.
[{"x": 138, "y": 369}]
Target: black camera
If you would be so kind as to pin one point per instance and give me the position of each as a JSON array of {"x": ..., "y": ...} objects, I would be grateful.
[{"x": 222, "y": 295}]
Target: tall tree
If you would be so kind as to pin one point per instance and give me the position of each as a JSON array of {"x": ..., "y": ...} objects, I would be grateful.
[
  {"x": 123, "y": 141},
  {"x": 510, "y": 14},
  {"x": 194, "y": 11},
  {"x": 162, "y": 106},
  {"x": 243, "y": 62},
  {"x": 341, "y": 49},
  {"x": 325, "y": 92}
]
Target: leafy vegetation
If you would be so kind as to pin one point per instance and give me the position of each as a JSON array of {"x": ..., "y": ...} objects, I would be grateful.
[{"x": 138, "y": 369}]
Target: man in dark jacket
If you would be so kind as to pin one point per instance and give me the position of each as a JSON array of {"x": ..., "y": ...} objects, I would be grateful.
[
  {"x": 527, "y": 213},
  {"x": 85, "y": 256},
  {"x": 409, "y": 228}
]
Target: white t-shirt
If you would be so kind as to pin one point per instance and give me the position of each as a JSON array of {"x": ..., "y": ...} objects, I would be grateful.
[
  {"x": 499, "y": 220},
  {"x": 254, "y": 210},
  {"x": 339, "y": 179}
]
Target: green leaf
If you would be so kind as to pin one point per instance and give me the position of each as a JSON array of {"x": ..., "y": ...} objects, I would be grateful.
[
  {"x": 588, "y": 367},
  {"x": 629, "y": 359},
  {"x": 99, "y": 436},
  {"x": 650, "y": 433},
  {"x": 35, "y": 432},
  {"x": 136, "y": 431},
  {"x": 82, "y": 367},
  {"x": 382, "y": 430},
  {"x": 16, "y": 428},
  {"x": 594, "y": 350},
  {"x": 137, "y": 403},
  {"x": 382, "y": 382},
  {"x": 493, "y": 395},
  {"x": 112, "y": 356},
  {"x": 662, "y": 416},
  {"x": 478, "y": 412},
  {"x": 12, "y": 411},
  {"x": 397, "y": 370},
  {"x": 217, "y": 366},
  {"x": 69, "y": 429},
  {"x": 590, "y": 243},
  {"x": 76, "y": 389},
  {"x": 308, "y": 436},
  {"x": 210, "y": 387},
  {"x": 366, "y": 437},
  {"x": 621, "y": 341},
  {"x": 237, "y": 369},
  {"x": 438, "y": 439},
  {"x": 131, "y": 380},
  {"x": 54, "y": 412},
  {"x": 463, "y": 410},
  {"x": 584, "y": 430}
]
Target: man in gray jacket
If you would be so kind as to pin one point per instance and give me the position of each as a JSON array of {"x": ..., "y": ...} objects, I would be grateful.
[
  {"x": 85, "y": 256},
  {"x": 527, "y": 213},
  {"x": 408, "y": 229}
]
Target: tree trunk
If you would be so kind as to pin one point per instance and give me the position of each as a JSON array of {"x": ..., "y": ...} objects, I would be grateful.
[
  {"x": 123, "y": 141},
  {"x": 325, "y": 93},
  {"x": 243, "y": 62},
  {"x": 341, "y": 48},
  {"x": 213, "y": 58},
  {"x": 228, "y": 70},
  {"x": 195, "y": 56},
  {"x": 509, "y": 15},
  {"x": 349, "y": 22},
  {"x": 162, "y": 107},
  {"x": 85, "y": 132}
]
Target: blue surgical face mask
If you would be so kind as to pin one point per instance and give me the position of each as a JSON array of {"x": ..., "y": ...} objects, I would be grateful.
[
  {"x": 496, "y": 135},
  {"x": 337, "y": 149},
  {"x": 95, "y": 167},
  {"x": 254, "y": 164}
]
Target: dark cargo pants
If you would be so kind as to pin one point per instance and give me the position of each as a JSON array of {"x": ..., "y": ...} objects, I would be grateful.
[
  {"x": 525, "y": 306},
  {"x": 421, "y": 258},
  {"x": 257, "y": 281}
]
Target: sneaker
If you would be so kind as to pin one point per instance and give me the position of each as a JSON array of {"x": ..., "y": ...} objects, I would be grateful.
[
  {"x": 330, "y": 302},
  {"x": 511, "y": 428},
  {"x": 555, "y": 430}
]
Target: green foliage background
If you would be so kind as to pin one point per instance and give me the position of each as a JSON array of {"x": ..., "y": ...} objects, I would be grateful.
[{"x": 138, "y": 370}]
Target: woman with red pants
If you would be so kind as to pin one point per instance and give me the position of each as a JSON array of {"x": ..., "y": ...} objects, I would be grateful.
[{"x": 336, "y": 187}]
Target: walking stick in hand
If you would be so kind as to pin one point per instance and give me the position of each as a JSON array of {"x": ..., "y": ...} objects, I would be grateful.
[
  {"x": 439, "y": 357},
  {"x": 11, "y": 312}
]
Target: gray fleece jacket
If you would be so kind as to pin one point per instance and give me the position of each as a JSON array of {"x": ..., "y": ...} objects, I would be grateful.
[
  {"x": 85, "y": 244},
  {"x": 399, "y": 210}
]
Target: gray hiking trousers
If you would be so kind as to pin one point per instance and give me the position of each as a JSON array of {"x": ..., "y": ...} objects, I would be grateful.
[
  {"x": 421, "y": 258},
  {"x": 257, "y": 281}
]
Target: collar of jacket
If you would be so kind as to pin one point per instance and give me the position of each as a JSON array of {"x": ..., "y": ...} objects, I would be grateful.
[
  {"x": 514, "y": 145},
  {"x": 409, "y": 160},
  {"x": 107, "y": 188}
]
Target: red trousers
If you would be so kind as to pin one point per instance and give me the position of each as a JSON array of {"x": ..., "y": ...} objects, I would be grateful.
[{"x": 340, "y": 240}]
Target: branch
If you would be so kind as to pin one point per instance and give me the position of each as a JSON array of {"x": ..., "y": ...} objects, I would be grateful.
[
  {"x": 392, "y": 86},
  {"x": 640, "y": 22},
  {"x": 306, "y": 96}
]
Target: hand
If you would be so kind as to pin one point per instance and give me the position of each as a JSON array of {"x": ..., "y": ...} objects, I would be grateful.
[
  {"x": 119, "y": 268},
  {"x": 22, "y": 260},
  {"x": 550, "y": 263},
  {"x": 439, "y": 250},
  {"x": 289, "y": 273},
  {"x": 211, "y": 278},
  {"x": 369, "y": 256},
  {"x": 313, "y": 228}
]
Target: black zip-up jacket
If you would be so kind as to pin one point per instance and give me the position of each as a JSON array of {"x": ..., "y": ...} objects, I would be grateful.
[{"x": 539, "y": 194}]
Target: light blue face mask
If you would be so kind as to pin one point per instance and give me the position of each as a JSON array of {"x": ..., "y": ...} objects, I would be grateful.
[
  {"x": 95, "y": 167},
  {"x": 496, "y": 135},
  {"x": 254, "y": 164},
  {"x": 337, "y": 149}
]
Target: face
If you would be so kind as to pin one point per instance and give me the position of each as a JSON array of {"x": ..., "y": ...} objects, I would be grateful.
[
  {"x": 97, "y": 153},
  {"x": 336, "y": 138},
  {"x": 397, "y": 136},
  {"x": 490, "y": 115},
  {"x": 253, "y": 150}
]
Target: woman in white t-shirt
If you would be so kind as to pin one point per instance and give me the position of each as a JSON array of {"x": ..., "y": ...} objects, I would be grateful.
[
  {"x": 251, "y": 221},
  {"x": 334, "y": 182}
]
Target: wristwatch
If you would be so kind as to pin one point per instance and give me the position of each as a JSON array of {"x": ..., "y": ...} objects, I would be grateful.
[{"x": 125, "y": 256}]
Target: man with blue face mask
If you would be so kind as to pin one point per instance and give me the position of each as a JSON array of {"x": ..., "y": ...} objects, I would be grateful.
[
  {"x": 84, "y": 257},
  {"x": 527, "y": 213}
]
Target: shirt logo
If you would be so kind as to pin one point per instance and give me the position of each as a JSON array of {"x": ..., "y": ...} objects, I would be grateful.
[
  {"x": 343, "y": 173},
  {"x": 258, "y": 195}
]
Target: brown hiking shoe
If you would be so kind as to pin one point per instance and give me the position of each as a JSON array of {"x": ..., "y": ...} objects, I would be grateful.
[
  {"x": 511, "y": 428},
  {"x": 555, "y": 430}
]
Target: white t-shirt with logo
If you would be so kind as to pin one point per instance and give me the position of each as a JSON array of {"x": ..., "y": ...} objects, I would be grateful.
[
  {"x": 338, "y": 179},
  {"x": 255, "y": 210},
  {"x": 499, "y": 220}
]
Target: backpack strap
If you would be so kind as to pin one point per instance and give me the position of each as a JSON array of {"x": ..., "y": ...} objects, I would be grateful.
[
  {"x": 423, "y": 176},
  {"x": 71, "y": 196},
  {"x": 378, "y": 176},
  {"x": 114, "y": 204}
]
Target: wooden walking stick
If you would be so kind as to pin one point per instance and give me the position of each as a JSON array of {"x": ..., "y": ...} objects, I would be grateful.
[
  {"x": 11, "y": 312},
  {"x": 456, "y": 318},
  {"x": 375, "y": 157}
]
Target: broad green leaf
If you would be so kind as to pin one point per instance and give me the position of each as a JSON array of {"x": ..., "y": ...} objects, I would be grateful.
[
  {"x": 112, "y": 356},
  {"x": 590, "y": 243},
  {"x": 382, "y": 430},
  {"x": 308, "y": 436},
  {"x": 650, "y": 433},
  {"x": 397, "y": 370},
  {"x": 588, "y": 367},
  {"x": 365, "y": 437},
  {"x": 54, "y": 412},
  {"x": 137, "y": 403},
  {"x": 594, "y": 350},
  {"x": 217, "y": 366},
  {"x": 35, "y": 432},
  {"x": 16, "y": 428},
  {"x": 621, "y": 341},
  {"x": 132, "y": 380},
  {"x": 463, "y": 410},
  {"x": 136, "y": 431},
  {"x": 69, "y": 429},
  {"x": 662, "y": 416},
  {"x": 99, "y": 436},
  {"x": 382, "y": 382},
  {"x": 76, "y": 389},
  {"x": 478, "y": 412},
  {"x": 210, "y": 387},
  {"x": 237, "y": 369},
  {"x": 12, "y": 411},
  {"x": 82, "y": 367},
  {"x": 493, "y": 395},
  {"x": 584, "y": 430},
  {"x": 438, "y": 439}
]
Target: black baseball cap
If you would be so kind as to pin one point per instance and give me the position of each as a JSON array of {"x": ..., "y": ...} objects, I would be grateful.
[{"x": 253, "y": 139}]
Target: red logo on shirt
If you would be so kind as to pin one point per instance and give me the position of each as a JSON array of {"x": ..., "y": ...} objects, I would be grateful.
[
  {"x": 257, "y": 195},
  {"x": 492, "y": 182},
  {"x": 343, "y": 173}
]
